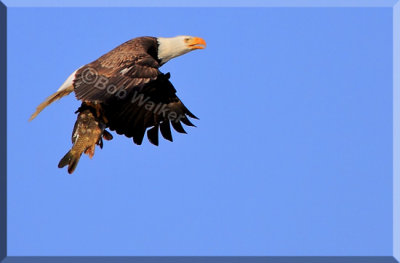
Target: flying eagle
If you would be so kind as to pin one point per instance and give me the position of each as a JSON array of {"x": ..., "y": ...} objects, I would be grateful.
[{"x": 125, "y": 91}]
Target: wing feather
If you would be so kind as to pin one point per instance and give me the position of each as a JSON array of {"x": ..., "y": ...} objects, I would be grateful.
[{"x": 166, "y": 130}]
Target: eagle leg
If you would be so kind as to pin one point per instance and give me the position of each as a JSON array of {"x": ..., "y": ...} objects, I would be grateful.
[{"x": 99, "y": 110}]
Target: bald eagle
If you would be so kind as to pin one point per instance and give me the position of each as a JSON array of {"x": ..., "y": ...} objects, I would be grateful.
[{"x": 124, "y": 91}]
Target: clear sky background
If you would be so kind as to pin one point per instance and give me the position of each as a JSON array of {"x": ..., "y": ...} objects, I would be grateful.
[{"x": 292, "y": 154}]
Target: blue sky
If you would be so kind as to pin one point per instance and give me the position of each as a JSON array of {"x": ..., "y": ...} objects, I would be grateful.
[{"x": 292, "y": 154}]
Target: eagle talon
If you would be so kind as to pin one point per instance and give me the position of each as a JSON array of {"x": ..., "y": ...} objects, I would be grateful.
[
  {"x": 107, "y": 136},
  {"x": 100, "y": 142}
]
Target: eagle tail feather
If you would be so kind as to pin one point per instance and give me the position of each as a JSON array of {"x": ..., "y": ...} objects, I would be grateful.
[{"x": 52, "y": 98}]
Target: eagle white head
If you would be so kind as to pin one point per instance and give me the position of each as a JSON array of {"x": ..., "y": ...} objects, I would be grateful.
[{"x": 172, "y": 47}]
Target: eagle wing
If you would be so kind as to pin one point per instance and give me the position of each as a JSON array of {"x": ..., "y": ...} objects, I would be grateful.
[
  {"x": 134, "y": 96},
  {"x": 103, "y": 78}
]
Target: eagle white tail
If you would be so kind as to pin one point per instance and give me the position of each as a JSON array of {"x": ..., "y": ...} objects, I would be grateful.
[
  {"x": 66, "y": 88},
  {"x": 56, "y": 96}
]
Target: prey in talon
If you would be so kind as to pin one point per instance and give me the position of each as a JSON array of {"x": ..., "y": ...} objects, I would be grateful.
[{"x": 88, "y": 132}]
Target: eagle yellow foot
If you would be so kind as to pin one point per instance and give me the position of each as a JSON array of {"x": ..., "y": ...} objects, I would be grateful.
[{"x": 99, "y": 111}]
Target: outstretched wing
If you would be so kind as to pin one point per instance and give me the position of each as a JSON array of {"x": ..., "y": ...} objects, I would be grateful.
[{"x": 153, "y": 105}]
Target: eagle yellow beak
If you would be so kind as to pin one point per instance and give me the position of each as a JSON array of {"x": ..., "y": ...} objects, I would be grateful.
[{"x": 196, "y": 43}]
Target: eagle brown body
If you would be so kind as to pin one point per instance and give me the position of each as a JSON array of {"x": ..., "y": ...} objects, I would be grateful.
[{"x": 124, "y": 91}]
